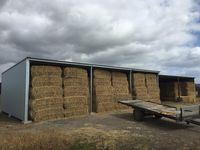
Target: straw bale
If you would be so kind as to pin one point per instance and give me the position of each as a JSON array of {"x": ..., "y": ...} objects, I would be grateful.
[
  {"x": 39, "y": 81},
  {"x": 102, "y": 90},
  {"x": 72, "y": 81},
  {"x": 46, "y": 114},
  {"x": 75, "y": 72},
  {"x": 102, "y": 81},
  {"x": 120, "y": 83},
  {"x": 45, "y": 103},
  {"x": 103, "y": 98},
  {"x": 75, "y": 101},
  {"x": 119, "y": 76},
  {"x": 46, "y": 91},
  {"x": 75, "y": 91},
  {"x": 138, "y": 79},
  {"x": 73, "y": 113},
  {"x": 120, "y": 89},
  {"x": 45, "y": 70},
  {"x": 104, "y": 107},
  {"x": 98, "y": 73}
]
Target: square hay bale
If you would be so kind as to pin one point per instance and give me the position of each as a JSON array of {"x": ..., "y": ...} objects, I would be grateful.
[
  {"x": 76, "y": 91},
  {"x": 46, "y": 114},
  {"x": 138, "y": 79},
  {"x": 105, "y": 107},
  {"x": 72, "y": 81},
  {"x": 101, "y": 82},
  {"x": 103, "y": 98},
  {"x": 46, "y": 91},
  {"x": 45, "y": 103},
  {"x": 99, "y": 73},
  {"x": 75, "y": 72},
  {"x": 102, "y": 90},
  {"x": 75, "y": 113},
  {"x": 45, "y": 71},
  {"x": 44, "y": 80},
  {"x": 76, "y": 102}
]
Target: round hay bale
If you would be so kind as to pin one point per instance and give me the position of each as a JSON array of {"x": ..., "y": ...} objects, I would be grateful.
[
  {"x": 45, "y": 92},
  {"x": 75, "y": 72},
  {"x": 71, "y": 81},
  {"x": 76, "y": 91},
  {"x": 39, "y": 81},
  {"x": 45, "y": 70}
]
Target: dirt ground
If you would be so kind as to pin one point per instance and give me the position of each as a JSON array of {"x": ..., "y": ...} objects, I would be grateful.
[{"x": 114, "y": 130}]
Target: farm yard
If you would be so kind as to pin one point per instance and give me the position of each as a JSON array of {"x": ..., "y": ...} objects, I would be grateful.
[{"x": 116, "y": 130}]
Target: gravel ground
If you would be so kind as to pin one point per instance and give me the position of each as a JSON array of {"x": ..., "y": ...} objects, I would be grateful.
[{"x": 149, "y": 134}]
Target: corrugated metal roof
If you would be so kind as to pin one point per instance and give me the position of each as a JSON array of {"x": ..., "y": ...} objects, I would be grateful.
[{"x": 50, "y": 61}]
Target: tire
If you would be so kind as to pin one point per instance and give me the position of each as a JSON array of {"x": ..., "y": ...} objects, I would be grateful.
[{"x": 138, "y": 115}]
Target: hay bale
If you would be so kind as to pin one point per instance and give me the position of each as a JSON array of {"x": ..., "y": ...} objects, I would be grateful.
[
  {"x": 72, "y": 81},
  {"x": 99, "y": 73},
  {"x": 46, "y": 114},
  {"x": 75, "y": 113},
  {"x": 139, "y": 79},
  {"x": 75, "y": 72},
  {"x": 75, "y": 91},
  {"x": 45, "y": 70},
  {"x": 45, "y": 103},
  {"x": 46, "y": 91},
  {"x": 103, "y": 98},
  {"x": 76, "y": 102},
  {"x": 39, "y": 81},
  {"x": 102, "y": 82},
  {"x": 102, "y": 90}
]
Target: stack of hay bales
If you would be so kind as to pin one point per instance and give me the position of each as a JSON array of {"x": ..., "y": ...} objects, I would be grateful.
[
  {"x": 188, "y": 92},
  {"x": 76, "y": 91},
  {"x": 120, "y": 89},
  {"x": 46, "y": 93},
  {"x": 152, "y": 88},
  {"x": 102, "y": 91},
  {"x": 139, "y": 86}
]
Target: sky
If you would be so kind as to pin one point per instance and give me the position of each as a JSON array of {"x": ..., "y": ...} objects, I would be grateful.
[{"x": 161, "y": 35}]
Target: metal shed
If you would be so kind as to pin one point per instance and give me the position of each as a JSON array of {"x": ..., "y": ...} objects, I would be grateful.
[
  {"x": 173, "y": 88},
  {"x": 16, "y": 80}
]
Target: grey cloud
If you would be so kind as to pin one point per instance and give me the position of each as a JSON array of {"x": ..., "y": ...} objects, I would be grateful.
[{"x": 145, "y": 34}]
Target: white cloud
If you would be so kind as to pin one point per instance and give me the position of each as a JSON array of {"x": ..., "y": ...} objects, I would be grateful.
[{"x": 153, "y": 34}]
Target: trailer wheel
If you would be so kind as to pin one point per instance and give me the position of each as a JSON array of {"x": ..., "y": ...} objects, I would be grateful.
[
  {"x": 138, "y": 115},
  {"x": 157, "y": 116}
]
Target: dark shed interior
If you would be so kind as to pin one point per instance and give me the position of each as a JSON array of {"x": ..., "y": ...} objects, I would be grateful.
[{"x": 177, "y": 88}]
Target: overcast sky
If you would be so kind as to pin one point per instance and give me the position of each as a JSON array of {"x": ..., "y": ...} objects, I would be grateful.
[{"x": 150, "y": 34}]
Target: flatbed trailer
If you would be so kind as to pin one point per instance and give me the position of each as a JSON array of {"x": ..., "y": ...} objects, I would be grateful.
[{"x": 188, "y": 114}]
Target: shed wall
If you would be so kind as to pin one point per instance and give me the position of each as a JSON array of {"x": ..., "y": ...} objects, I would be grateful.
[{"x": 14, "y": 95}]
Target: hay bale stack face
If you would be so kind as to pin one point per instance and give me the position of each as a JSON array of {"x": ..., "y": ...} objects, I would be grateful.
[
  {"x": 139, "y": 86},
  {"x": 168, "y": 91},
  {"x": 120, "y": 89},
  {"x": 102, "y": 91},
  {"x": 46, "y": 93},
  {"x": 152, "y": 88},
  {"x": 145, "y": 87},
  {"x": 76, "y": 91}
]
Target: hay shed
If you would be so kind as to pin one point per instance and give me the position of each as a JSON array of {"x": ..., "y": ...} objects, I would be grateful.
[
  {"x": 177, "y": 88},
  {"x": 41, "y": 89}
]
